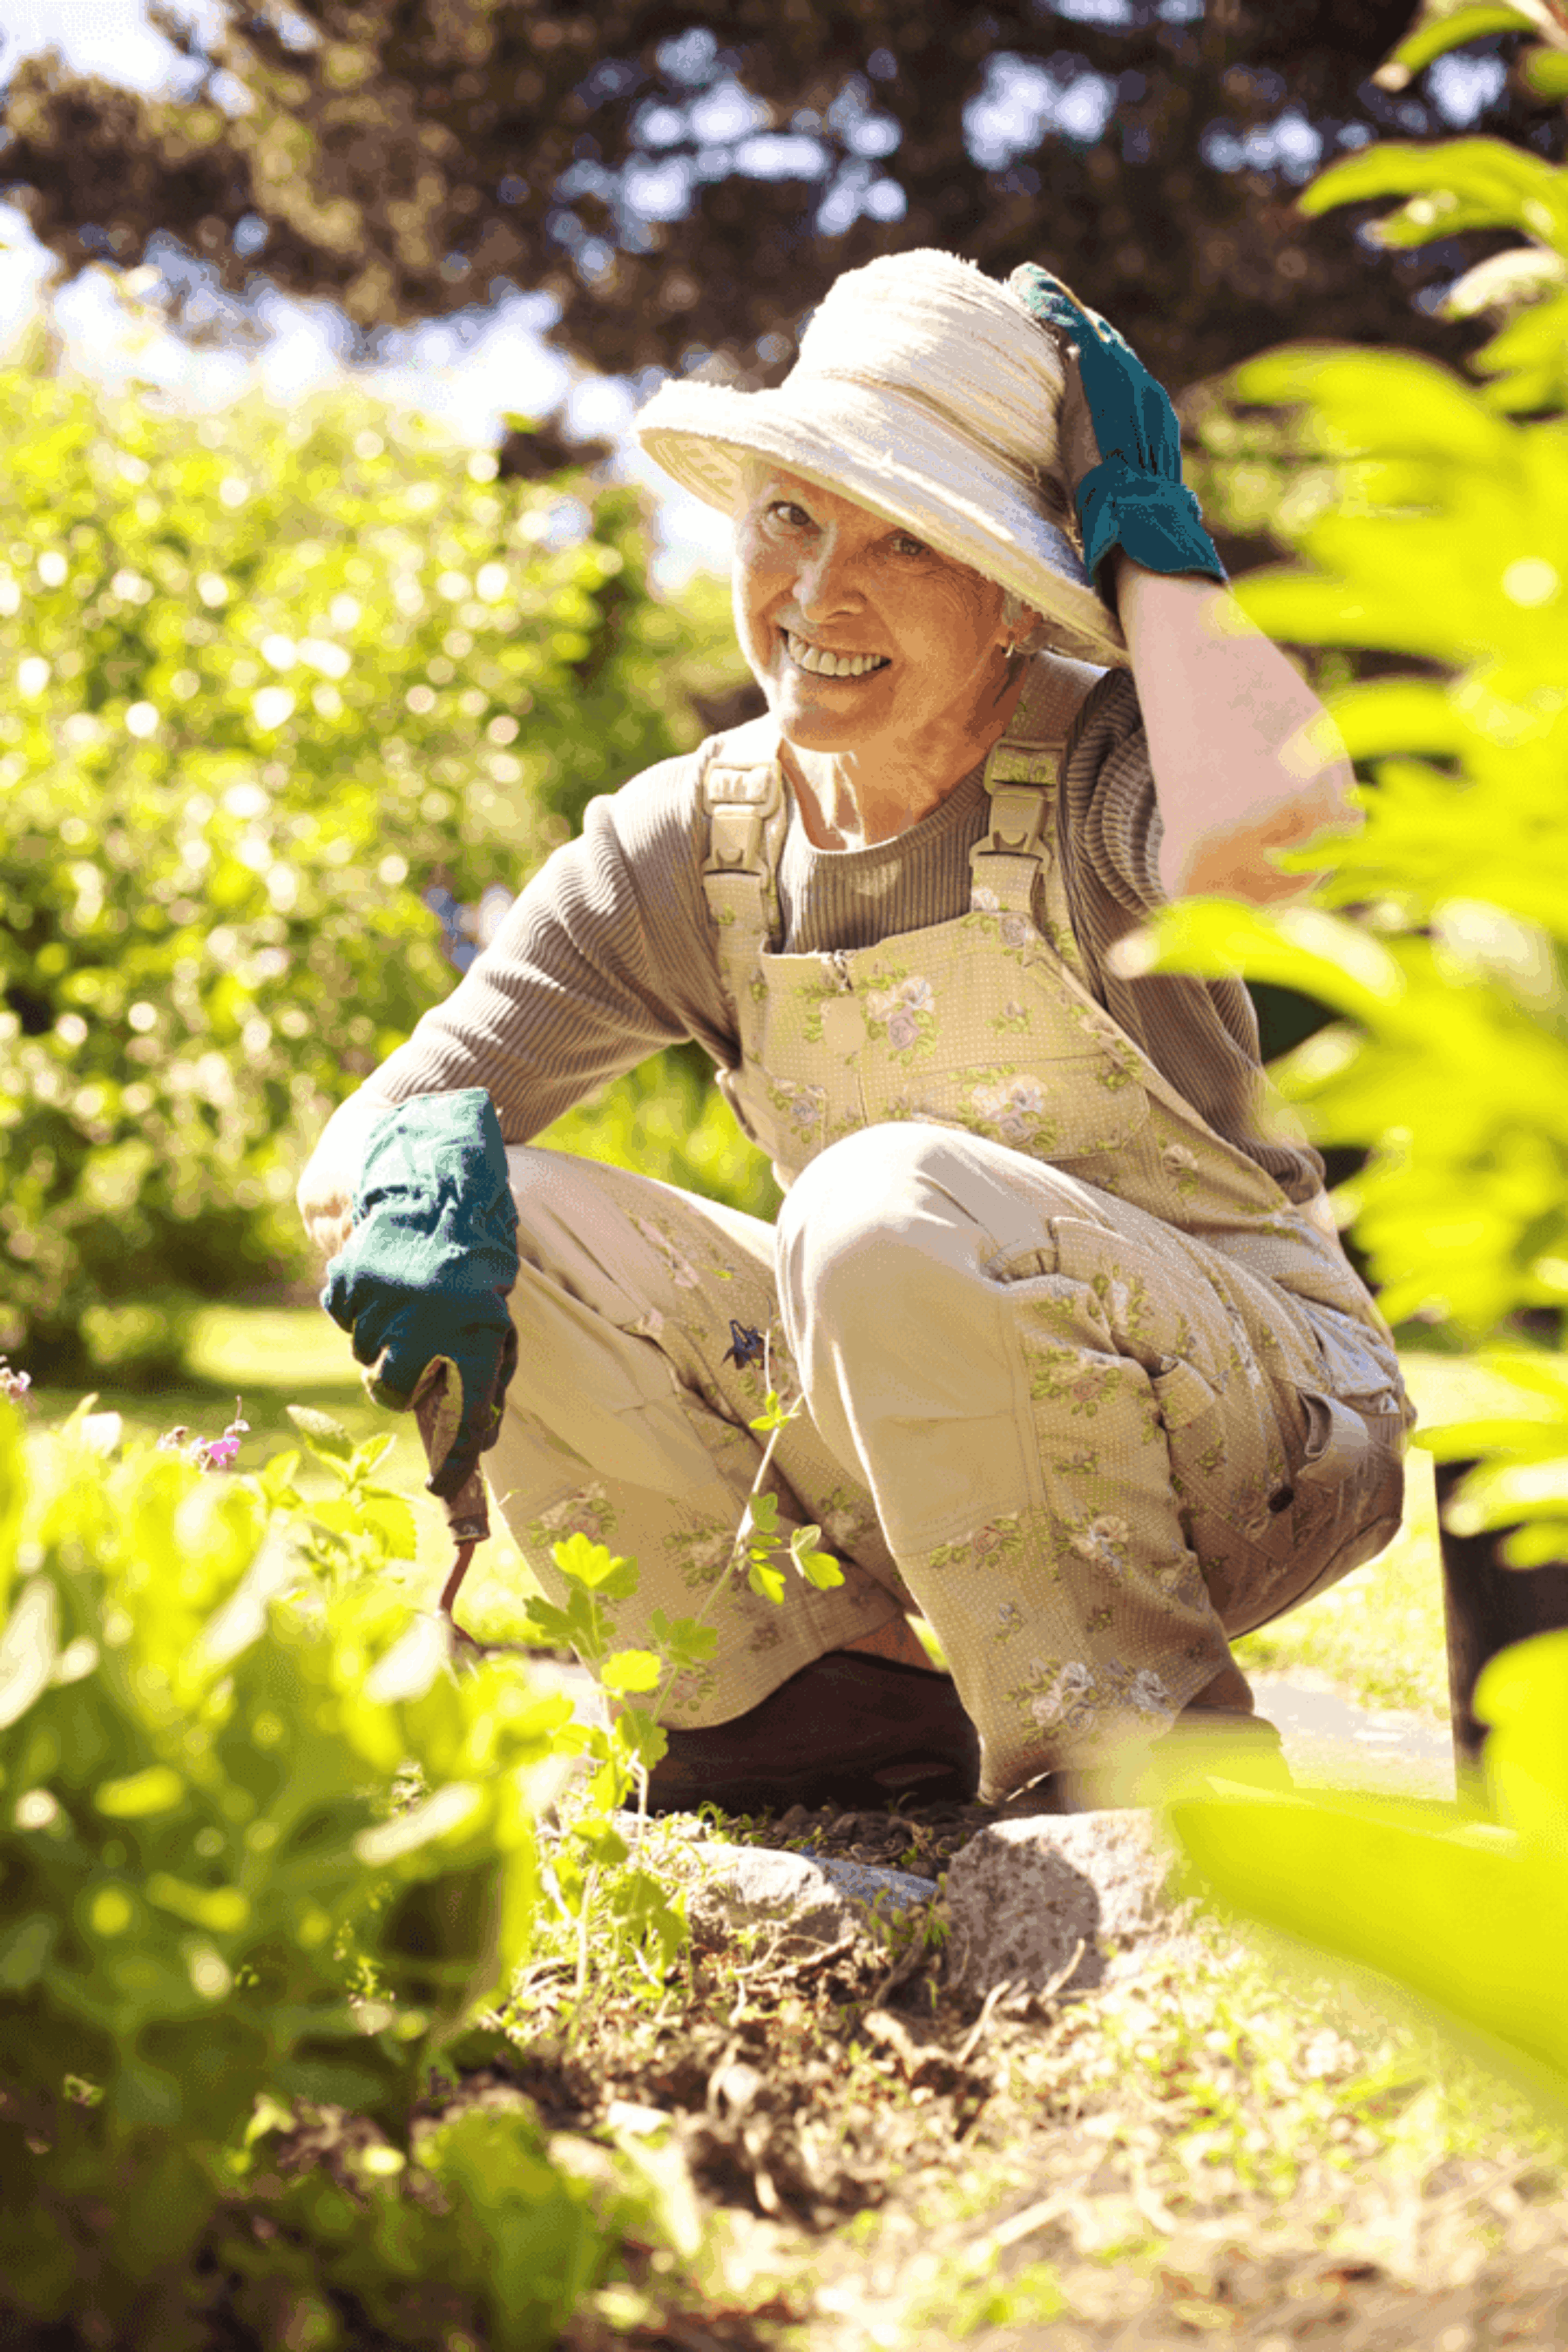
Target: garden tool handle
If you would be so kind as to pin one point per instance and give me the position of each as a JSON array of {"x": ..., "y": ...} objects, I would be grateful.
[{"x": 467, "y": 1512}]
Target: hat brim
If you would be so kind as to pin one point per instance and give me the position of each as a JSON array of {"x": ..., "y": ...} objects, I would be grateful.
[{"x": 886, "y": 451}]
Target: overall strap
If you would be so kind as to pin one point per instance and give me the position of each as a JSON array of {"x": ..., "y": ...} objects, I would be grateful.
[
  {"x": 747, "y": 817},
  {"x": 1019, "y": 842}
]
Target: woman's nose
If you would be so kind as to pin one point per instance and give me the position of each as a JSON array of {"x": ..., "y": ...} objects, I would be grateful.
[{"x": 825, "y": 584}]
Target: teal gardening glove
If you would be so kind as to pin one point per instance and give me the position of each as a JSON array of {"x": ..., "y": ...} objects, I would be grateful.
[
  {"x": 1124, "y": 456},
  {"x": 426, "y": 1272}
]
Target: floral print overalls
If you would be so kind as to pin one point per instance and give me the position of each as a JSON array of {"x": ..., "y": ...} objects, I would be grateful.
[{"x": 1083, "y": 1385}]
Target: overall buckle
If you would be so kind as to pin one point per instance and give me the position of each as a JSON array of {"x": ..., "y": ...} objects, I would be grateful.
[
  {"x": 1017, "y": 821},
  {"x": 736, "y": 823}
]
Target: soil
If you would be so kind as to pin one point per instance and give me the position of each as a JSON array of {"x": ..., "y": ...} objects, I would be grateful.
[{"x": 883, "y": 2158}]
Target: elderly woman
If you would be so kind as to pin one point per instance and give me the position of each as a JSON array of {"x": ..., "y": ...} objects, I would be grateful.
[{"x": 1088, "y": 1383}]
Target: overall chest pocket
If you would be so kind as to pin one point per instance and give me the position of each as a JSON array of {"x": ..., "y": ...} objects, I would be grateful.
[{"x": 1079, "y": 1109}]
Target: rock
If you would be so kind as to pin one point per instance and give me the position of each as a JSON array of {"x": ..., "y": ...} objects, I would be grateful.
[
  {"x": 741, "y": 1886},
  {"x": 1024, "y": 1893}
]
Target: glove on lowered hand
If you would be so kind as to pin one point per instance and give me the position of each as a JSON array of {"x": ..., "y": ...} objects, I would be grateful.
[
  {"x": 426, "y": 1269},
  {"x": 1124, "y": 446}
]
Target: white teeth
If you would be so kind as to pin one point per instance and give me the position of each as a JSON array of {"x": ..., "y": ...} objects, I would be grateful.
[{"x": 825, "y": 665}]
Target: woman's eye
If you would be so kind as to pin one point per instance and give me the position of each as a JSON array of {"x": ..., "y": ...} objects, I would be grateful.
[
  {"x": 908, "y": 544},
  {"x": 786, "y": 510}
]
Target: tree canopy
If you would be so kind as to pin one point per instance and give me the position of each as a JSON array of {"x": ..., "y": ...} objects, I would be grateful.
[{"x": 685, "y": 190}]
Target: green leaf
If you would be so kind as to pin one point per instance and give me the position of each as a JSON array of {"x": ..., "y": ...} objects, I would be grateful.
[
  {"x": 646, "y": 1909},
  {"x": 393, "y": 1520},
  {"x": 599, "y": 1839},
  {"x": 766, "y": 1581},
  {"x": 1504, "y": 281},
  {"x": 592, "y": 1565},
  {"x": 29, "y": 1649},
  {"x": 434, "y": 1818},
  {"x": 1441, "y": 28},
  {"x": 13, "y": 1492},
  {"x": 1300, "y": 946},
  {"x": 642, "y": 1738},
  {"x": 630, "y": 1670},
  {"x": 326, "y": 1438},
  {"x": 1459, "y": 185},
  {"x": 157, "y": 1789},
  {"x": 1363, "y": 401},
  {"x": 1398, "y": 714},
  {"x": 773, "y": 1415},
  {"x": 222, "y": 1910},
  {"x": 684, "y": 1640},
  {"x": 277, "y": 1476},
  {"x": 819, "y": 1567},
  {"x": 1463, "y": 1918},
  {"x": 762, "y": 1514},
  {"x": 25, "y": 1948},
  {"x": 1545, "y": 72},
  {"x": 546, "y": 1627},
  {"x": 1522, "y": 1693}
]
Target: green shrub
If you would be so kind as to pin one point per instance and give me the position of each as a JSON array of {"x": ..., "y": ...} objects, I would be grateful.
[
  {"x": 255, "y": 1838},
  {"x": 263, "y": 1854},
  {"x": 261, "y": 678}
]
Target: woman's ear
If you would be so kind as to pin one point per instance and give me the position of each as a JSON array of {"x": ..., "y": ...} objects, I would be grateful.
[{"x": 1024, "y": 628}]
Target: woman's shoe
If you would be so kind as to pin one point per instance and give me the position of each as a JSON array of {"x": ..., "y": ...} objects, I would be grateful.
[
  {"x": 849, "y": 1729},
  {"x": 1208, "y": 1751}
]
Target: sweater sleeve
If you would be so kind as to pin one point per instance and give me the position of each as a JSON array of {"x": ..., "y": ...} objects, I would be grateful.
[
  {"x": 606, "y": 957},
  {"x": 1114, "y": 817}
]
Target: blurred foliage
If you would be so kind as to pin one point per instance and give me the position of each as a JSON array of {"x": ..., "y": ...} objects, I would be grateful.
[
  {"x": 1470, "y": 1918},
  {"x": 262, "y": 1854},
  {"x": 267, "y": 1848},
  {"x": 1434, "y": 526},
  {"x": 686, "y": 188},
  {"x": 211, "y": 1839},
  {"x": 666, "y": 1118},
  {"x": 264, "y": 677}
]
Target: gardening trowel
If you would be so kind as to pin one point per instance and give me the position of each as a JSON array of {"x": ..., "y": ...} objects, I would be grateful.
[{"x": 437, "y": 1403}]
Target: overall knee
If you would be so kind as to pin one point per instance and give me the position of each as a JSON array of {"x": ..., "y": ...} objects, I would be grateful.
[{"x": 861, "y": 1216}]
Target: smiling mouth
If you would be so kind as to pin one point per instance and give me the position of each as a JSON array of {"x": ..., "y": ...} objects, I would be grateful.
[{"x": 817, "y": 662}]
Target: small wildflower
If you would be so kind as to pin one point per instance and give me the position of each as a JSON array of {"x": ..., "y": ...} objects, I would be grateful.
[
  {"x": 15, "y": 1385},
  {"x": 208, "y": 1453}
]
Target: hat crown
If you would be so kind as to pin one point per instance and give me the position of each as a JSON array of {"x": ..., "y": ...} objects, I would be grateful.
[{"x": 934, "y": 328}]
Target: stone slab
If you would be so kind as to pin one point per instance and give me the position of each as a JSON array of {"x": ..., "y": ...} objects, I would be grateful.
[
  {"x": 819, "y": 1899},
  {"x": 1023, "y": 1894}
]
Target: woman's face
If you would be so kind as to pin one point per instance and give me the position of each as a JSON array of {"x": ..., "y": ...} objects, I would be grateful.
[{"x": 919, "y": 641}]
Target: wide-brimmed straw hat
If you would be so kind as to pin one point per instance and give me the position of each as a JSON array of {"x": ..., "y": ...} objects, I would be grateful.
[{"x": 926, "y": 391}]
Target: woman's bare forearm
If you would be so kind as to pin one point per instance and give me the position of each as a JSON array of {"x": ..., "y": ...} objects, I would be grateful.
[{"x": 1245, "y": 760}]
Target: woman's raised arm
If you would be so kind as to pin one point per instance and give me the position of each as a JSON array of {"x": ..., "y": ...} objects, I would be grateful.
[{"x": 1245, "y": 759}]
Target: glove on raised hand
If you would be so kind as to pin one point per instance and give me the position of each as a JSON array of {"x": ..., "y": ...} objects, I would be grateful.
[
  {"x": 426, "y": 1270},
  {"x": 1122, "y": 443}
]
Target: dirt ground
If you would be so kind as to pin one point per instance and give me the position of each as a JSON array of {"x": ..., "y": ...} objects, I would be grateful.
[{"x": 1199, "y": 2151}]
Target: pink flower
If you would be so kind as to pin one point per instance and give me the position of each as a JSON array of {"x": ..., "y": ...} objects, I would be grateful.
[
  {"x": 15, "y": 1385},
  {"x": 208, "y": 1453}
]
